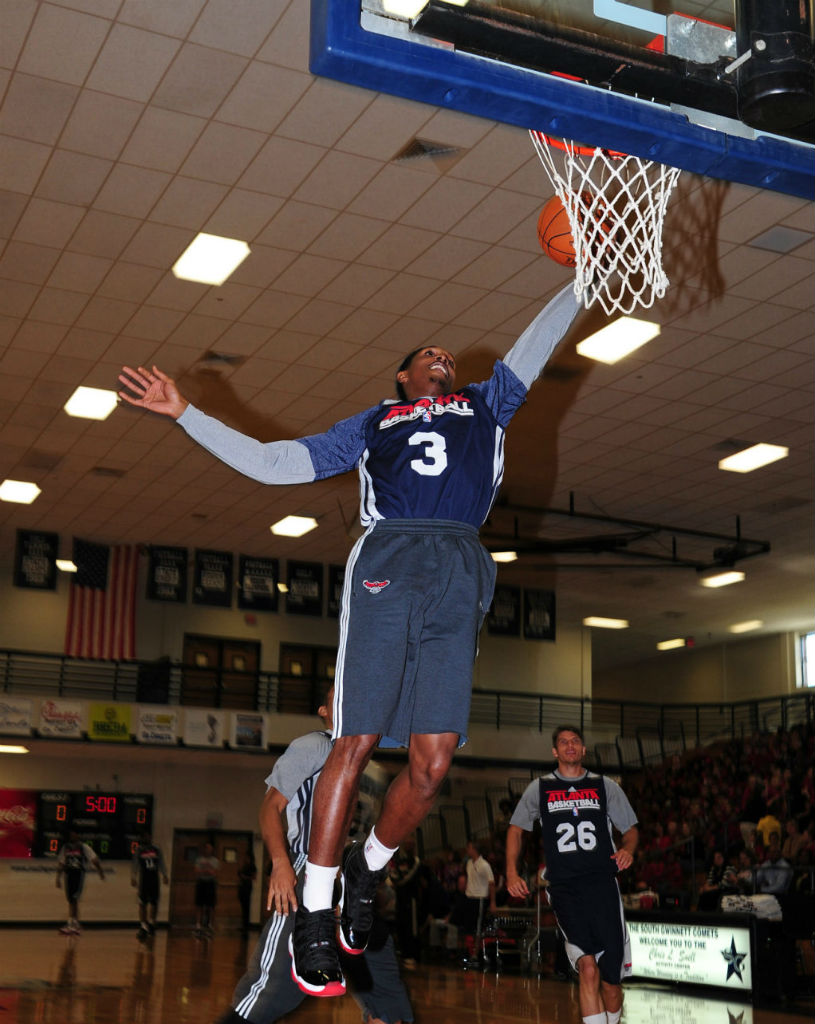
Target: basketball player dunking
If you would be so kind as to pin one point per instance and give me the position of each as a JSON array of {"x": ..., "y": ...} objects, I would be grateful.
[{"x": 417, "y": 586}]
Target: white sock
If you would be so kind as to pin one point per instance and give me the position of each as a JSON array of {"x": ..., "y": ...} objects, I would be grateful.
[
  {"x": 318, "y": 887},
  {"x": 614, "y": 1018},
  {"x": 595, "y": 1018},
  {"x": 376, "y": 854}
]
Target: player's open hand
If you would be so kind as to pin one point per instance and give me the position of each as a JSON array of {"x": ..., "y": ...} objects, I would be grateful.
[
  {"x": 282, "y": 881},
  {"x": 516, "y": 886},
  {"x": 152, "y": 390},
  {"x": 623, "y": 858}
]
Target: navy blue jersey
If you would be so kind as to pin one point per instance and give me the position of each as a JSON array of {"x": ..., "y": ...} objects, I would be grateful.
[{"x": 434, "y": 458}]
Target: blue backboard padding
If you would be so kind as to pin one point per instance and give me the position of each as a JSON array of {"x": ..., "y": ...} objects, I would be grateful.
[{"x": 342, "y": 50}]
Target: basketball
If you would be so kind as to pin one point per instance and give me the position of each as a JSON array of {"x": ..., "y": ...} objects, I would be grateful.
[{"x": 555, "y": 233}]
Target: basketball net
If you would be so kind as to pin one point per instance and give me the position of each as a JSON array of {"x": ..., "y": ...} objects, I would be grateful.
[{"x": 616, "y": 206}]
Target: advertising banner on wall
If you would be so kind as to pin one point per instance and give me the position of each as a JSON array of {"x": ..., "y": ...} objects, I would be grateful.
[
  {"x": 109, "y": 723},
  {"x": 16, "y": 716},
  {"x": 539, "y": 614},
  {"x": 248, "y": 730},
  {"x": 204, "y": 728},
  {"x": 157, "y": 725},
  {"x": 702, "y": 953},
  {"x": 35, "y": 560},
  {"x": 61, "y": 718},
  {"x": 18, "y": 814}
]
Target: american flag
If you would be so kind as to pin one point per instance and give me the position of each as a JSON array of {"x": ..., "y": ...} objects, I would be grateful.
[{"x": 102, "y": 603}]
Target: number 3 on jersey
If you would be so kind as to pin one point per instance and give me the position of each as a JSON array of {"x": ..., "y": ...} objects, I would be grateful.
[
  {"x": 435, "y": 450},
  {"x": 586, "y": 838}
]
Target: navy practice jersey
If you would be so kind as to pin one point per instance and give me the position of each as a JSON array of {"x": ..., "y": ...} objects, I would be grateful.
[
  {"x": 576, "y": 817},
  {"x": 148, "y": 860},
  {"x": 76, "y": 856},
  {"x": 433, "y": 458}
]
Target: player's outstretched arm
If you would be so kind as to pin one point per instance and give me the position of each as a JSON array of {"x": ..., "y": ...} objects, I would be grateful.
[
  {"x": 531, "y": 351},
  {"x": 152, "y": 390}
]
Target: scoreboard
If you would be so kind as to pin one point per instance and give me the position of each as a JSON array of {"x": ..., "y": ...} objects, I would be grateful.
[{"x": 110, "y": 823}]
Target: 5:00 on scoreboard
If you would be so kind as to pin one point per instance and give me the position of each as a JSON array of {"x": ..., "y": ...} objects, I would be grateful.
[{"x": 110, "y": 823}]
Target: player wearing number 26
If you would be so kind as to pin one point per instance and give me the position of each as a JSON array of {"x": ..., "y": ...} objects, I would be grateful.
[
  {"x": 417, "y": 586},
  {"x": 577, "y": 810}
]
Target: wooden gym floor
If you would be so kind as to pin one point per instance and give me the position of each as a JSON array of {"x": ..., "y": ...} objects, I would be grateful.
[{"x": 106, "y": 977}]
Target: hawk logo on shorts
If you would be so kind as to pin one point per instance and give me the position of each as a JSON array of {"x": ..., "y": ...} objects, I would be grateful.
[{"x": 375, "y": 586}]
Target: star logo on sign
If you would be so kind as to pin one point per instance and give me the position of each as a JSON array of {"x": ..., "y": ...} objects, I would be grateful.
[{"x": 734, "y": 960}]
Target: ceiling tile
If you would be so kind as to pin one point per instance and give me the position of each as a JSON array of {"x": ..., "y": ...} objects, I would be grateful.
[
  {"x": 185, "y": 202},
  {"x": 100, "y": 125},
  {"x": 132, "y": 62},
  {"x": 152, "y": 324},
  {"x": 324, "y": 112},
  {"x": 227, "y": 301},
  {"x": 197, "y": 330},
  {"x": 81, "y": 343},
  {"x": 62, "y": 44},
  {"x": 198, "y": 80},
  {"x": 308, "y": 275},
  {"x": 398, "y": 246},
  {"x": 402, "y": 293},
  {"x": 384, "y": 127},
  {"x": 447, "y": 257},
  {"x": 288, "y": 44},
  {"x": 173, "y": 19},
  {"x": 281, "y": 166},
  {"x": 79, "y": 273},
  {"x": 131, "y": 191},
  {"x": 22, "y": 164},
  {"x": 263, "y": 96},
  {"x": 496, "y": 157},
  {"x": 72, "y": 178},
  {"x": 35, "y": 108},
  {"x": 496, "y": 215},
  {"x": 31, "y": 263},
  {"x": 162, "y": 139},
  {"x": 319, "y": 317},
  {"x": 273, "y": 309},
  {"x": 17, "y": 298},
  {"x": 99, "y": 234},
  {"x": 39, "y": 337},
  {"x": 347, "y": 236},
  {"x": 157, "y": 245},
  {"x": 336, "y": 180},
  {"x": 444, "y": 204},
  {"x": 217, "y": 26},
  {"x": 129, "y": 281},
  {"x": 448, "y": 302},
  {"x": 102, "y": 314},
  {"x": 263, "y": 265},
  {"x": 296, "y": 226},
  {"x": 174, "y": 293},
  {"x": 222, "y": 153},
  {"x": 355, "y": 284},
  {"x": 362, "y": 326}
]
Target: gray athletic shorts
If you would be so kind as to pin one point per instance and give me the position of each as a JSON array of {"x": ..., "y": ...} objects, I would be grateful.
[{"x": 415, "y": 595}]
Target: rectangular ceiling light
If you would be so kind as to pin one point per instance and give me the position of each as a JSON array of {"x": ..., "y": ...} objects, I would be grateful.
[
  {"x": 671, "y": 645},
  {"x": 20, "y": 491},
  {"x": 66, "y": 565},
  {"x": 504, "y": 556},
  {"x": 91, "y": 403},
  {"x": 618, "y": 339},
  {"x": 210, "y": 259},
  {"x": 600, "y": 623},
  {"x": 722, "y": 579},
  {"x": 293, "y": 526},
  {"x": 754, "y": 457},
  {"x": 746, "y": 627},
  {"x": 12, "y": 748}
]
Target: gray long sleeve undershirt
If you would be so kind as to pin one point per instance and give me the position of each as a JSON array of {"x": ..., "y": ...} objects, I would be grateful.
[{"x": 290, "y": 462}]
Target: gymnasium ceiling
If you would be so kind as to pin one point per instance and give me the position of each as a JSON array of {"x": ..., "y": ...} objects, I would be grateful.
[{"x": 128, "y": 127}]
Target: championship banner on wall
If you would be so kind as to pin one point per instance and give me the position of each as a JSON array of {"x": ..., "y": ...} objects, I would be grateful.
[
  {"x": 61, "y": 718},
  {"x": 702, "y": 954},
  {"x": 248, "y": 730},
  {"x": 204, "y": 728},
  {"x": 35, "y": 560},
  {"x": 336, "y": 580},
  {"x": 212, "y": 584},
  {"x": 257, "y": 583},
  {"x": 109, "y": 723},
  {"x": 16, "y": 716},
  {"x": 167, "y": 574},
  {"x": 18, "y": 815},
  {"x": 504, "y": 616},
  {"x": 157, "y": 726},
  {"x": 305, "y": 583},
  {"x": 539, "y": 615}
]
